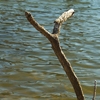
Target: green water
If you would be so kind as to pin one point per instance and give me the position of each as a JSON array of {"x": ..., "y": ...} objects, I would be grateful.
[{"x": 29, "y": 69}]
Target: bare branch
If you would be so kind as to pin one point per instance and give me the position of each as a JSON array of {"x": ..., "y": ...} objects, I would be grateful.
[
  {"x": 65, "y": 16},
  {"x": 94, "y": 91},
  {"x": 53, "y": 38},
  {"x": 62, "y": 19},
  {"x": 38, "y": 27}
]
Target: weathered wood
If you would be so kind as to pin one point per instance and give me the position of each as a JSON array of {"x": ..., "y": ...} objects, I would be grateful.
[
  {"x": 56, "y": 29},
  {"x": 62, "y": 19},
  {"x": 68, "y": 69},
  {"x": 38, "y": 27},
  {"x": 94, "y": 91},
  {"x": 65, "y": 16},
  {"x": 54, "y": 39}
]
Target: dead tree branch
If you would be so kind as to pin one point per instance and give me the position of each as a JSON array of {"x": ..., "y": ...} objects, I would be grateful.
[
  {"x": 54, "y": 39},
  {"x": 94, "y": 91},
  {"x": 62, "y": 19}
]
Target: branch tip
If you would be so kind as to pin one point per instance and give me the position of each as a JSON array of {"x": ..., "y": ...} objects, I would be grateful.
[
  {"x": 27, "y": 14},
  {"x": 58, "y": 22},
  {"x": 94, "y": 91},
  {"x": 65, "y": 16}
]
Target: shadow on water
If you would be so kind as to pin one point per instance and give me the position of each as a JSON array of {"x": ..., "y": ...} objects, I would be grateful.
[{"x": 29, "y": 68}]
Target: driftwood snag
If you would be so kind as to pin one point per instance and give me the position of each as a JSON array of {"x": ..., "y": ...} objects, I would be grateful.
[
  {"x": 94, "y": 91},
  {"x": 54, "y": 40}
]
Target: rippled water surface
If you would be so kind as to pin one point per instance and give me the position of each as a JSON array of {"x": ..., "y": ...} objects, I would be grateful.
[{"x": 29, "y": 69}]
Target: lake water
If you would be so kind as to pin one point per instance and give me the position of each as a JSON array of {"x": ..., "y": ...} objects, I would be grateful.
[{"x": 29, "y": 69}]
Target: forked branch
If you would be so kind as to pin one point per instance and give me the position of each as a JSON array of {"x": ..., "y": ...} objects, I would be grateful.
[{"x": 54, "y": 39}]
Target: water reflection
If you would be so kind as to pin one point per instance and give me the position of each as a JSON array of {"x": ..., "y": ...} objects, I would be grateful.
[{"x": 29, "y": 68}]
